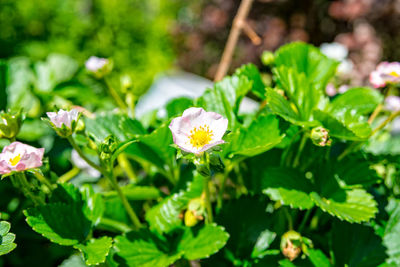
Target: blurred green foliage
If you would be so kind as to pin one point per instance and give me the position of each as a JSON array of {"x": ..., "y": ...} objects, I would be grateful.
[{"x": 134, "y": 33}]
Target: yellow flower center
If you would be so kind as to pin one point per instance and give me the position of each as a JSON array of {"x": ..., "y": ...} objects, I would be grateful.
[
  {"x": 200, "y": 136},
  {"x": 15, "y": 160},
  {"x": 394, "y": 74}
]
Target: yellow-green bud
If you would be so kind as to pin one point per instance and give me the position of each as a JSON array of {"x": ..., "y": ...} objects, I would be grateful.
[
  {"x": 195, "y": 212},
  {"x": 190, "y": 219},
  {"x": 10, "y": 124},
  {"x": 267, "y": 58},
  {"x": 320, "y": 136}
]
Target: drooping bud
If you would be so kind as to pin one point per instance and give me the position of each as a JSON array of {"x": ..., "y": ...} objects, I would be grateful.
[
  {"x": 291, "y": 245},
  {"x": 267, "y": 58},
  {"x": 320, "y": 136},
  {"x": 108, "y": 147},
  {"x": 10, "y": 124},
  {"x": 99, "y": 67}
]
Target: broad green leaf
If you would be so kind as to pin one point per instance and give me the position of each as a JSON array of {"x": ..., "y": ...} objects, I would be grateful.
[
  {"x": 362, "y": 100},
  {"x": 93, "y": 205},
  {"x": 224, "y": 98},
  {"x": 288, "y": 187},
  {"x": 345, "y": 125},
  {"x": 282, "y": 107},
  {"x": 253, "y": 74},
  {"x": 164, "y": 217},
  {"x": 75, "y": 260},
  {"x": 355, "y": 173},
  {"x": 354, "y": 205},
  {"x": 300, "y": 91},
  {"x": 307, "y": 59},
  {"x": 61, "y": 223},
  {"x": 201, "y": 243},
  {"x": 356, "y": 245},
  {"x": 318, "y": 258},
  {"x": 391, "y": 236},
  {"x": 262, "y": 135},
  {"x": 144, "y": 249},
  {"x": 95, "y": 251},
  {"x": 6, "y": 238},
  {"x": 178, "y": 105}
]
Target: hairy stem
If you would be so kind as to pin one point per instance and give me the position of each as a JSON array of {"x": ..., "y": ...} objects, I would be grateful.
[
  {"x": 303, "y": 141},
  {"x": 83, "y": 156},
  {"x": 207, "y": 199},
  {"x": 69, "y": 175}
]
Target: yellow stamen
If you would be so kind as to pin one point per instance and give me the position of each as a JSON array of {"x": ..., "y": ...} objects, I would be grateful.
[
  {"x": 15, "y": 160},
  {"x": 394, "y": 74},
  {"x": 200, "y": 136}
]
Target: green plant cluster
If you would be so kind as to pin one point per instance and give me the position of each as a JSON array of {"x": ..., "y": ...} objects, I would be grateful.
[{"x": 305, "y": 180}]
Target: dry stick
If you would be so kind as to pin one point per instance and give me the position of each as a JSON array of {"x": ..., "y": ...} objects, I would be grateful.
[
  {"x": 248, "y": 30},
  {"x": 233, "y": 38}
]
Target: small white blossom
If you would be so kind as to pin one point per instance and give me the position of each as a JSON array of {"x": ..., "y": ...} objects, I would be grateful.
[
  {"x": 19, "y": 157},
  {"x": 197, "y": 130},
  {"x": 385, "y": 73},
  {"x": 63, "y": 117},
  {"x": 95, "y": 64}
]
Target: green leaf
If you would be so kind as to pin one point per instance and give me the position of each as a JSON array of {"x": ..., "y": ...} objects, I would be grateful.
[
  {"x": 300, "y": 91},
  {"x": 288, "y": 187},
  {"x": 307, "y": 59},
  {"x": 354, "y": 205},
  {"x": 363, "y": 100},
  {"x": 95, "y": 251},
  {"x": 345, "y": 125},
  {"x": 391, "y": 236},
  {"x": 93, "y": 206},
  {"x": 62, "y": 224},
  {"x": 201, "y": 243},
  {"x": 355, "y": 172},
  {"x": 178, "y": 105},
  {"x": 262, "y": 135},
  {"x": 366, "y": 247},
  {"x": 282, "y": 107},
  {"x": 318, "y": 258},
  {"x": 251, "y": 72},
  {"x": 6, "y": 238},
  {"x": 263, "y": 242},
  {"x": 143, "y": 249},
  {"x": 164, "y": 217}
]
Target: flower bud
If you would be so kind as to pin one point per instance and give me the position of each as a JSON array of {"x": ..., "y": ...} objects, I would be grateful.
[
  {"x": 126, "y": 83},
  {"x": 320, "y": 136},
  {"x": 291, "y": 244},
  {"x": 190, "y": 219},
  {"x": 195, "y": 212},
  {"x": 267, "y": 58},
  {"x": 99, "y": 67},
  {"x": 63, "y": 122},
  {"x": 108, "y": 147},
  {"x": 10, "y": 124}
]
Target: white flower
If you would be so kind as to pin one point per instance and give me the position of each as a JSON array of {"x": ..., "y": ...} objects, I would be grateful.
[
  {"x": 197, "y": 130},
  {"x": 19, "y": 157},
  {"x": 385, "y": 73},
  {"x": 334, "y": 50},
  {"x": 392, "y": 103},
  {"x": 82, "y": 164},
  {"x": 63, "y": 117},
  {"x": 95, "y": 64}
]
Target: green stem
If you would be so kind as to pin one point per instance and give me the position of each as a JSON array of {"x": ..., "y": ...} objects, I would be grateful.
[
  {"x": 127, "y": 167},
  {"x": 348, "y": 150},
  {"x": 222, "y": 189},
  {"x": 131, "y": 213},
  {"x": 207, "y": 199},
  {"x": 115, "y": 95},
  {"x": 106, "y": 224},
  {"x": 82, "y": 155},
  {"x": 383, "y": 124},
  {"x": 288, "y": 217},
  {"x": 69, "y": 175},
  {"x": 305, "y": 219},
  {"x": 43, "y": 180},
  {"x": 303, "y": 141},
  {"x": 26, "y": 189}
]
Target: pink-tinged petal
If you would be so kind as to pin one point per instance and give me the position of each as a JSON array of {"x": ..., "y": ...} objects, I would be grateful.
[
  {"x": 20, "y": 167},
  {"x": 4, "y": 169},
  {"x": 392, "y": 103},
  {"x": 207, "y": 147},
  {"x": 376, "y": 80},
  {"x": 18, "y": 157},
  {"x": 330, "y": 90},
  {"x": 63, "y": 117}
]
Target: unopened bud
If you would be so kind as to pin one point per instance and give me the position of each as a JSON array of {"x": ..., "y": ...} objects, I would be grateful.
[
  {"x": 291, "y": 244},
  {"x": 108, "y": 147},
  {"x": 267, "y": 58},
  {"x": 195, "y": 212},
  {"x": 126, "y": 83},
  {"x": 99, "y": 67},
  {"x": 10, "y": 124},
  {"x": 320, "y": 136}
]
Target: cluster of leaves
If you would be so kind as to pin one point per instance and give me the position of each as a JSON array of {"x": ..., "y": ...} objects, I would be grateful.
[{"x": 270, "y": 179}]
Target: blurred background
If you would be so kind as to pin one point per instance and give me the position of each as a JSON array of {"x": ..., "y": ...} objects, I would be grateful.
[{"x": 44, "y": 44}]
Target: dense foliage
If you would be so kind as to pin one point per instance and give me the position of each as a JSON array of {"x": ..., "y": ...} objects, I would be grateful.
[{"x": 304, "y": 180}]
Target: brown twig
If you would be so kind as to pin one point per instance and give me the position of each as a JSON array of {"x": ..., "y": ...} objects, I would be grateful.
[
  {"x": 238, "y": 24},
  {"x": 248, "y": 30}
]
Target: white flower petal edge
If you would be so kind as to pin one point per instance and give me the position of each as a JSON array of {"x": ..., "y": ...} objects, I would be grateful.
[
  {"x": 19, "y": 157},
  {"x": 95, "y": 63},
  {"x": 197, "y": 130},
  {"x": 63, "y": 117}
]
